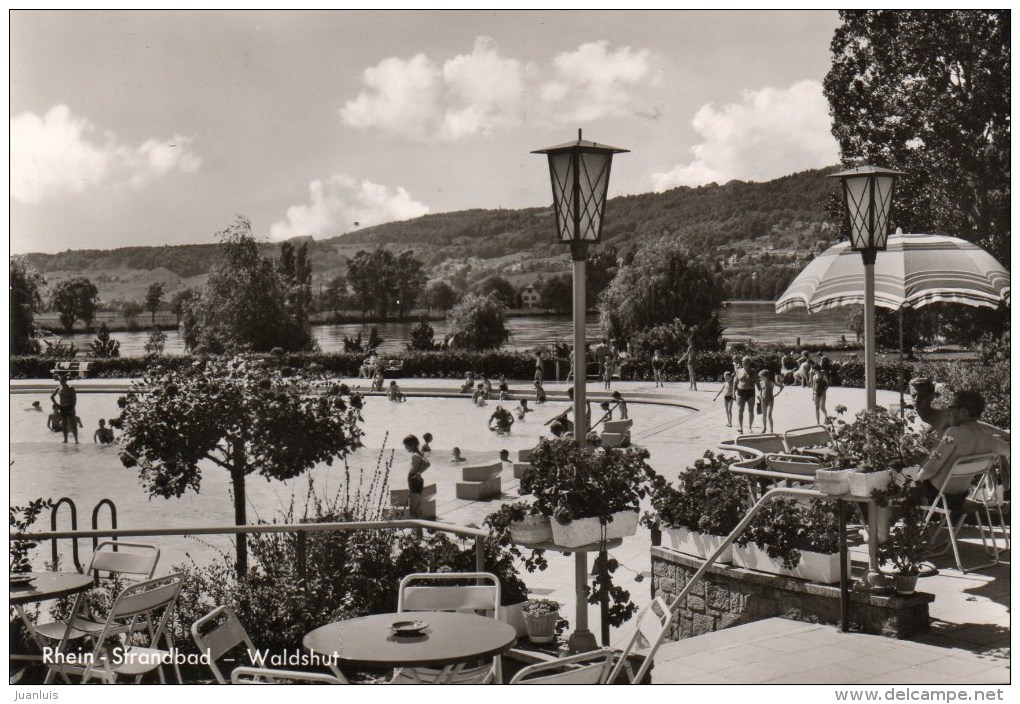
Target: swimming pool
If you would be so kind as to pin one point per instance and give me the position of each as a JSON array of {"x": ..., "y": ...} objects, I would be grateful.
[{"x": 45, "y": 467}]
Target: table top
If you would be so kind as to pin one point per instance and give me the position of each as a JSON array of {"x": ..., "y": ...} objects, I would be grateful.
[
  {"x": 449, "y": 638},
  {"x": 49, "y": 585}
]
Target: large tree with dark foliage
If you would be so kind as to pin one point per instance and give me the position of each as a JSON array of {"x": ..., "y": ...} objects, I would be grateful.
[
  {"x": 478, "y": 323},
  {"x": 26, "y": 300},
  {"x": 240, "y": 414},
  {"x": 383, "y": 281},
  {"x": 665, "y": 282},
  {"x": 75, "y": 300},
  {"x": 928, "y": 93},
  {"x": 246, "y": 304}
]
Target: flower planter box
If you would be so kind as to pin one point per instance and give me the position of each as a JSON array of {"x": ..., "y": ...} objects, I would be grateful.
[
  {"x": 813, "y": 566},
  {"x": 834, "y": 482},
  {"x": 585, "y": 531},
  {"x": 863, "y": 484},
  {"x": 532, "y": 530},
  {"x": 697, "y": 544},
  {"x": 514, "y": 616}
]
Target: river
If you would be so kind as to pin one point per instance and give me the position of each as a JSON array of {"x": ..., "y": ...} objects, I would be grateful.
[{"x": 743, "y": 320}]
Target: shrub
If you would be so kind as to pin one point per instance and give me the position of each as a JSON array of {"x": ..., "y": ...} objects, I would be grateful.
[
  {"x": 785, "y": 527},
  {"x": 709, "y": 497}
]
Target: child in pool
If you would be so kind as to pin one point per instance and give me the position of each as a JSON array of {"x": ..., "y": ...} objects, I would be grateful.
[
  {"x": 487, "y": 387},
  {"x": 523, "y": 410},
  {"x": 378, "y": 380},
  {"x": 607, "y": 412},
  {"x": 621, "y": 404},
  {"x": 103, "y": 435},
  {"x": 478, "y": 398},
  {"x": 504, "y": 388},
  {"x": 394, "y": 393},
  {"x": 727, "y": 388},
  {"x": 504, "y": 421},
  {"x": 539, "y": 392},
  {"x": 457, "y": 457},
  {"x": 425, "y": 448}
]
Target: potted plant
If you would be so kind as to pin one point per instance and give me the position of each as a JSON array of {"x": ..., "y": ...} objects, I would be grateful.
[
  {"x": 906, "y": 546},
  {"x": 792, "y": 539},
  {"x": 540, "y": 617},
  {"x": 878, "y": 444},
  {"x": 504, "y": 558},
  {"x": 590, "y": 493},
  {"x": 705, "y": 506},
  {"x": 523, "y": 522}
]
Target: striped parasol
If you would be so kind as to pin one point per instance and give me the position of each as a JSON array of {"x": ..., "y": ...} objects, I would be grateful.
[{"x": 913, "y": 271}]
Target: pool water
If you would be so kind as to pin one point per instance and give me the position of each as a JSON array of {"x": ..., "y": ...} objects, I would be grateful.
[{"x": 45, "y": 467}]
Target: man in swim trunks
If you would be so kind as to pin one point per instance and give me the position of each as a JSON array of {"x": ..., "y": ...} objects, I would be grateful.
[
  {"x": 66, "y": 399},
  {"x": 746, "y": 384}
]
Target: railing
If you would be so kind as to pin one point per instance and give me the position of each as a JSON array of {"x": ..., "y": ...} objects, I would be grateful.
[{"x": 300, "y": 530}]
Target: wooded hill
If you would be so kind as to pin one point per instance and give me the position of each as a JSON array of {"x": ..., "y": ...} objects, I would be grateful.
[{"x": 785, "y": 215}]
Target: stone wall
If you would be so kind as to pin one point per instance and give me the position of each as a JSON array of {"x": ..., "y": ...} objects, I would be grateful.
[{"x": 729, "y": 596}]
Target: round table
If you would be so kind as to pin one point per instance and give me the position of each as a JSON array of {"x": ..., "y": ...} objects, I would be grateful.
[
  {"x": 49, "y": 585},
  {"x": 449, "y": 638}
]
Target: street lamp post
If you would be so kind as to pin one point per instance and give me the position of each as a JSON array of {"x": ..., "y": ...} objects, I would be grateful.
[
  {"x": 580, "y": 181},
  {"x": 868, "y": 191}
]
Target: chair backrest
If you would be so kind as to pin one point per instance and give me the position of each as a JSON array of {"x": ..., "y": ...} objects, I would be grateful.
[
  {"x": 618, "y": 426},
  {"x": 652, "y": 623},
  {"x": 136, "y": 605},
  {"x": 121, "y": 558},
  {"x": 262, "y": 675},
  {"x": 964, "y": 471},
  {"x": 994, "y": 430},
  {"x": 583, "y": 668},
  {"x": 763, "y": 442},
  {"x": 794, "y": 464},
  {"x": 809, "y": 436},
  {"x": 484, "y": 595},
  {"x": 226, "y": 633}
]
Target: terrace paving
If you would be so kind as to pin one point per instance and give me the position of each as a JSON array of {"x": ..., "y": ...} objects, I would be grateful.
[{"x": 969, "y": 642}]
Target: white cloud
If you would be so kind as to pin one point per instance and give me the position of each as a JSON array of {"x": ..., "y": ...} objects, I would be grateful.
[
  {"x": 594, "y": 82},
  {"x": 771, "y": 132},
  {"x": 340, "y": 203},
  {"x": 483, "y": 92},
  {"x": 61, "y": 152}
]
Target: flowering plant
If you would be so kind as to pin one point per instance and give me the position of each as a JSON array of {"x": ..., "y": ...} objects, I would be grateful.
[
  {"x": 708, "y": 497},
  {"x": 538, "y": 607},
  {"x": 877, "y": 439}
]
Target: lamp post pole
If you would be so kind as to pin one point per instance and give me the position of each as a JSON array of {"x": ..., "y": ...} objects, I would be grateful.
[
  {"x": 870, "y": 377},
  {"x": 579, "y": 253}
]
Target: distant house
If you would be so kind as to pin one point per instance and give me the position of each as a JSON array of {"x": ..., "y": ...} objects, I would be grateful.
[
  {"x": 530, "y": 296},
  {"x": 733, "y": 259}
]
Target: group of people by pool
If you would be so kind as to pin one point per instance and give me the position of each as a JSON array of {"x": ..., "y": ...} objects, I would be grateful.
[{"x": 64, "y": 419}]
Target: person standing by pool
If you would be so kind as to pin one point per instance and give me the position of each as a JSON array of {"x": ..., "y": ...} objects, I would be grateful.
[
  {"x": 538, "y": 367},
  {"x": 620, "y": 403},
  {"x": 658, "y": 364},
  {"x": 66, "y": 399},
  {"x": 819, "y": 387},
  {"x": 727, "y": 387},
  {"x": 691, "y": 355},
  {"x": 768, "y": 398},
  {"x": 746, "y": 383},
  {"x": 415, "y": 481},
  {"x": 804, "y": 365}
]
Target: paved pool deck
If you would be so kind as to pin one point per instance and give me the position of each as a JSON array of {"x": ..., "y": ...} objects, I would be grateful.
[{"x": 969, "y": 642}]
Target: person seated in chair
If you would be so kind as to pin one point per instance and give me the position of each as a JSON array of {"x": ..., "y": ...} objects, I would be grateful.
[
  {"x": 922, "y": 393},
  {"x": 963, "y": 437}
]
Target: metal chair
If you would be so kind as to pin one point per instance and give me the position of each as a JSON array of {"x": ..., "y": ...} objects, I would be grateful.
[
  {"x": 483, "y": 596},
  {"x": 263, "y": 675},
  {"x": 967, "y": 475},
  {"x": 225, "y": 634},
  {"x": 649, "y": 630},
  {"x": 118, "y": 560},
  {"x": 584, "y": 668},
  {"x": 134, "y": 612},
  {"x": 813, "y": 440}
]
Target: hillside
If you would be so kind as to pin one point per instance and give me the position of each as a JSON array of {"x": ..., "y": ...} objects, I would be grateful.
[{"x": 784, "y": 217}]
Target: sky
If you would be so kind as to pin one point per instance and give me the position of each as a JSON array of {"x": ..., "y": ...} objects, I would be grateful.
[{"x": 153, "y": 128}]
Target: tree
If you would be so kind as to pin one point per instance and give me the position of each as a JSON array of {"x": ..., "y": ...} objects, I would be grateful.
[
  {"x": 558, "y": 293},
  {"x": 104, "y": 346},
  {"x": 928, "y": 93},
  {"x": 245, "y": 303},
  {"x": 422, "y": 337},
  {"x": 372, "y": 276},
  {"x": 478, "y": 323},
  {"x": 440, "y": 295},
  {"x": 154, "y": 299},
  {"x": 239, "y": 414},
  {"x": 336, "y": 296},
  {"x": 665, "y": 282},
  {"x": 500, "y": 288},
  {"x": 410, "y": 278},
  {"x": 26, "y": 300},
  {"x": 75, "y": 300},
  {"x": 180, "y": 301},
  {"x": 296, "y": 273},
  {"x": 156, "y": 343},
  {"x": 600, "y": 270}
]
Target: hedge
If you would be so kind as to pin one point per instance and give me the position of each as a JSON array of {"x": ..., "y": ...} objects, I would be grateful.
[{"x": 455, "y": 364}]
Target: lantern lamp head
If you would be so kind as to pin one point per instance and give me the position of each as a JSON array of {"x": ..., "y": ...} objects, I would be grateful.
[
  {"x": 868, "y": 191},
  {"x": 580, "y": 182}
]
